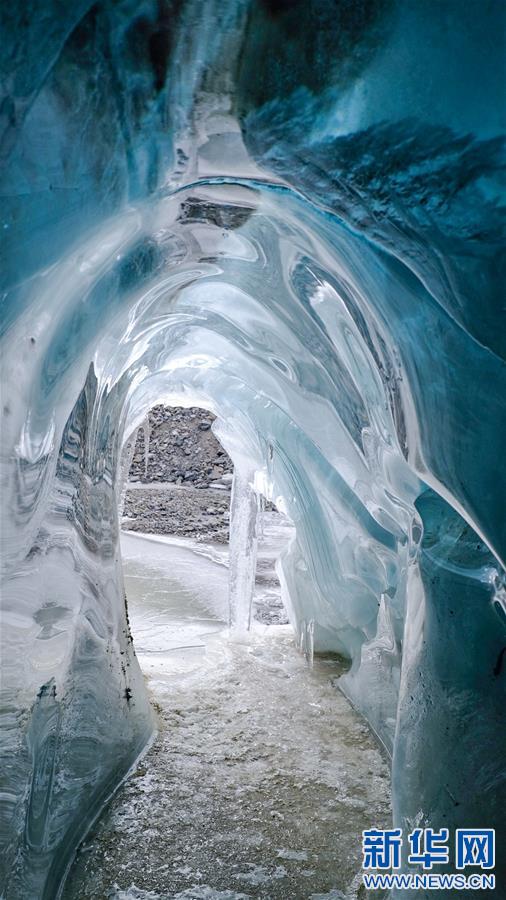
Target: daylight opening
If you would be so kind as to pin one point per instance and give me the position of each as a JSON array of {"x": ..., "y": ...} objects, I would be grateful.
[
  {"x": 178, "y": 566},
  {"x": 180, "y": 477}
]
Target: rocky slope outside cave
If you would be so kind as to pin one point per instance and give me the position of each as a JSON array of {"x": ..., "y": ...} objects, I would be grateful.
[
  {"x": 183, "y": 488},
  {"x": 182, "y": 450},
  {"x": 184, "y": 491}
]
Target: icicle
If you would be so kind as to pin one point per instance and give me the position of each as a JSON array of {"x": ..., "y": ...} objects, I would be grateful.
[
  {"x": 124, "y": 469},
  {"x": 310, "y": 644},
  {"x": 146, "y": 430},
  {"x": 261, "y": 516},
  {"x": 243, "y": 551},
  {"x": 306, "y": 641}
]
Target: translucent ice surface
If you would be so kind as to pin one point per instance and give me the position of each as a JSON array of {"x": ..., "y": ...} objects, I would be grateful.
[
  {"x": 243, "y": 549},
  {"x": 289, "y": 214}
]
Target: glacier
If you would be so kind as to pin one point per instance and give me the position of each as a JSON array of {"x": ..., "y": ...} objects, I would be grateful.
[{"x": 289, "y": 214}]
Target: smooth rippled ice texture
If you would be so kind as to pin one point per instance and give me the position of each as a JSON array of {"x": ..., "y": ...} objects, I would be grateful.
[{"x": 290, "y": 215}]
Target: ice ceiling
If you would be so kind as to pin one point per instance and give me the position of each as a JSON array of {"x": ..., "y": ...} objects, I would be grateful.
[{"x": 289, "y": 213}]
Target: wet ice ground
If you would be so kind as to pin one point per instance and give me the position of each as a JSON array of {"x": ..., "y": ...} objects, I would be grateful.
[{"x": 261, "y": 777}]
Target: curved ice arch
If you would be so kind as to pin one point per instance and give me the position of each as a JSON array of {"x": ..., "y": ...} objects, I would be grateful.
[{"x": 330, "y": 352}]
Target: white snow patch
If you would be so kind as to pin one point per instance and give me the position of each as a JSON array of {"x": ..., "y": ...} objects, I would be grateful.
[
  {"x": 300, "y": 855},
  {"x": 261, "y": 874},
  {"x": 132, "y": 893}
]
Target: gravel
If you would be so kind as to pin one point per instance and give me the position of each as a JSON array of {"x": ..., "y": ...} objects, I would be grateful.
[
  {"x": 182, "y": 450},
  {"x": 185, "y": 487}
]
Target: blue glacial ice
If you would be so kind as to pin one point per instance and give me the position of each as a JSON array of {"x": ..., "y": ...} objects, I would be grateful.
[{"x": 289, "y": 214}]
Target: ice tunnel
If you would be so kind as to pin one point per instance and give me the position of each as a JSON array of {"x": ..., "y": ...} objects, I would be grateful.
[{"x": 290, "y": 214}]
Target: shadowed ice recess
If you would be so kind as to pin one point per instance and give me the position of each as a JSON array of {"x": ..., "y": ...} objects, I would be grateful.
[{"x": 288, "y": 214}]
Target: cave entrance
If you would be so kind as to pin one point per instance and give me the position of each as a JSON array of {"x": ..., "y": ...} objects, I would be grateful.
[{"x": 175, "y": 514}]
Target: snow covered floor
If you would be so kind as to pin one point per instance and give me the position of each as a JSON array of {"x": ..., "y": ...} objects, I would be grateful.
[{"x": 261, "y": 777}]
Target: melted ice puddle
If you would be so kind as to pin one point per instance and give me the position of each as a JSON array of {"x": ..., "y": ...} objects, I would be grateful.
[{"x": 262, "y": 776}]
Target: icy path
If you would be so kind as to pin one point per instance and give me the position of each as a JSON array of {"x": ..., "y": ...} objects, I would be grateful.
[{"x": 261, "y": 777}]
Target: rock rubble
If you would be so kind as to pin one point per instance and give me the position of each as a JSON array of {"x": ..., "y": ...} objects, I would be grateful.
[
  {"x": 184, "y": 488},
  {"x": 182, "y": 450}
]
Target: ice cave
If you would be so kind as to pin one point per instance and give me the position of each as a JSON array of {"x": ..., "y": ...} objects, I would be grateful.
[{"x": 289, "y": 214}]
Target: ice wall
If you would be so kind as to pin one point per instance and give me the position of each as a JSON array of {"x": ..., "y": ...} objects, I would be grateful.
[{"x": 309, "y": 247}]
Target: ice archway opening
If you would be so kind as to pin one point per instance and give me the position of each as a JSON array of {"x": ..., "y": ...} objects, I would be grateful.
[
  {"x": 329, "y": 284},
  {"x": 219, "y": 296}
]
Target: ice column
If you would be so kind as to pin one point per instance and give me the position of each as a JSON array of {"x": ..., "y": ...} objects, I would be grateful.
[
  {"x": 127, "y": 456},
  {"x": 261, "y": 516},
  {"x": 243, "y": 550},
  {"x": 306, "y": 640},
  {"x": 146, "y": 430}
]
